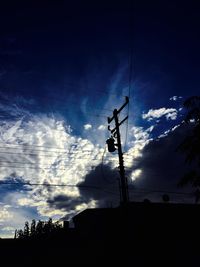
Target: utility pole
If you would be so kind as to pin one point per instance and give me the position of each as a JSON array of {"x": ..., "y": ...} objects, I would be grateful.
[{"x": 111, "y": 148}]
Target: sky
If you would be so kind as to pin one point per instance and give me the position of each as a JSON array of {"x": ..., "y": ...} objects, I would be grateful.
[{"x": 64, "y": 67}]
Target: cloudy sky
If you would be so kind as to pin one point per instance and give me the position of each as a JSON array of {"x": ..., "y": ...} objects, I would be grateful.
[{"x": 64, "y": 67}]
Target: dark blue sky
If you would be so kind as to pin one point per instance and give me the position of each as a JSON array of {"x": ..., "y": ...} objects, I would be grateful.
[
  {"x": 67, "y": 63},
  {"x": 58, "y": 47}
]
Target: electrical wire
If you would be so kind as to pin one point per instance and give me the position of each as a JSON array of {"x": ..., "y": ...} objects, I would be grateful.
[
  {"x": 51, "y": 151},
  {"x": 85, "y": 187},
  {"x": 32, "y": 148},
  {"x": 91, "y": 187},
  {"x": 31, "y": 154},
  {"x": 40, "y": 168},
  {"x": 130, "y": 74}
]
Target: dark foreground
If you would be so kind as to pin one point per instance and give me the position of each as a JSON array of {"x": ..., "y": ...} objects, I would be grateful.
[{"x": 140, "y": 235}]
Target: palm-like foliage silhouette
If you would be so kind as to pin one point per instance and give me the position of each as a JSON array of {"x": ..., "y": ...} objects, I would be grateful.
[{"x": 191, "y": 144}]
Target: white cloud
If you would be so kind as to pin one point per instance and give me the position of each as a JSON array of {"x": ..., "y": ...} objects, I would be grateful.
[
  {"x": 136, "y": 174},
  {"x": 101, "y": 127},
  {"x": 169, "y": 113},
  {"x": 4, "y": 214},
  {"x": 44, "y": 150},
  {"x": 141, "y": 134},
  {"x": 171, "y": 116},
  {"x": 175, "y": 127},
  {"x": 140, "y": 138},
  {"x": 175, "y": 98},
  {"x": 87, "y": 126}
]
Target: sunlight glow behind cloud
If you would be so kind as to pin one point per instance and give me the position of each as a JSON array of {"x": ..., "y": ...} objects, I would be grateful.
[{"x": 136, "y": 174}]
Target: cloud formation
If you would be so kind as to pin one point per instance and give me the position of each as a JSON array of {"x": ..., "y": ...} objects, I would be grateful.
[
  {"x": 43, "y": 150},
  {"x": 169, "y": 113},
  {"x": 163, "y": 167}
]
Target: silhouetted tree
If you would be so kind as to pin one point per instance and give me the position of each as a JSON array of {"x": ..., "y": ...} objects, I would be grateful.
[
  {"x": 191, "y": 144},
  {"x": 57, "y": 226},
  {"x": 26, "y": 230},
  {"x": 15, "y": 234},
  {"x": 49, "y": 226},
  {"x": 20, "y": 234},
  {"x": 33, "y": 228},
  {"x": 39, "y": 229}
]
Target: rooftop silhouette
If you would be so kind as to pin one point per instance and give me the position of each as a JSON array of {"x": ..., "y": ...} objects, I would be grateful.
[{"x": 126, "y": 234}]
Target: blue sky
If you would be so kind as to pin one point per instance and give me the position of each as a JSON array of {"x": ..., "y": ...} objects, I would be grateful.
[{"x": 63, "y": 68}]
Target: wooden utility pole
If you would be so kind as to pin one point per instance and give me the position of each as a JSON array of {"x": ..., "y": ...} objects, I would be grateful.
[{"x": 116, "y": 133}]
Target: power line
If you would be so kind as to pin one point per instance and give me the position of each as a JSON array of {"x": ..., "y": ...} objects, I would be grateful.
[
  {"x": 44, "y": 184},
  {"x": 63, "y": 167},
  {"x": 59, "y": 185},
  {"x": 43, "y": 155},
  {"x": 33, "y": 163},
  {"x": 90, "y": 187},
  {"x": 52, "y": 167},
  {"x": 31, "y": 154},
  {"x": 69, "y": 152},
  {"x": 50, "y": 151},
  {"x": 130, "y": 72},
  {"x": 25, "y": 145},
  {"x": 95, "y": 156},
  {"x": 41, "y": 168},
  {"x": 73, "y": 147}
]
